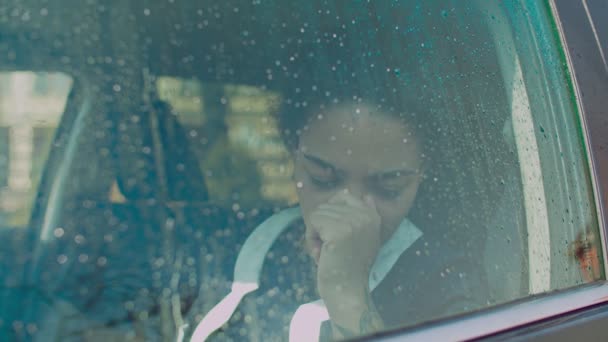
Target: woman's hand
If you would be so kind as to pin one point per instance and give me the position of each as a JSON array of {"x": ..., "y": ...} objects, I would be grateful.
[{"x": 349, "y": 231}]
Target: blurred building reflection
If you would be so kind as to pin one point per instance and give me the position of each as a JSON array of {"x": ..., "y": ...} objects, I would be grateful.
[
  {"x": 31, "y": 104},
  {"x": 238, "y": 121},
  {"x": 222, "y": 121}
]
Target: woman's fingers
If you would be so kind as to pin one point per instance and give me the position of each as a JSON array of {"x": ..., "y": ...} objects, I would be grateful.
[
  {"x": 346, "y": 213},
  {"x": 345, "y": 197},
  {"x": 354, "y": 208},
  {"x": 347, "y": 232},
  {"x": 335, "y": 223},
  {"x": 357, "y": 218},
  {"x": 370, "y": 202},
  {"x": 330, "y": 226}
]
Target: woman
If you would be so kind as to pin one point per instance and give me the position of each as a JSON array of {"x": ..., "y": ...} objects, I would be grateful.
[
  {"x": 357, "y": 170},
  {"x": 398, "y": 152},
  {"x": 373, "y": 242}
]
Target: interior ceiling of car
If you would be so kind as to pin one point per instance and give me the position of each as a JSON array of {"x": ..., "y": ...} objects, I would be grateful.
[
  {"x": 206, "y": 39},
  {"x": 226, "y": 41}
]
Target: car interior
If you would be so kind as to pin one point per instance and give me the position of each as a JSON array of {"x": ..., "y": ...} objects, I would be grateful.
[{"x": 140, "y": 182}]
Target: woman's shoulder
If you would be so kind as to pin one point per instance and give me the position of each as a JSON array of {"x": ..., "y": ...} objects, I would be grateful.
[
  {"x": 287, "y": 265},
  {"x": 286, "y": 281},
  {"x": 431, "y": 279}
]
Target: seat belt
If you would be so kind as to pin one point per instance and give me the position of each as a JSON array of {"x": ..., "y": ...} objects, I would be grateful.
[
  {"x": 306, "y": 322},
  {"x": 246, "y": 271}
]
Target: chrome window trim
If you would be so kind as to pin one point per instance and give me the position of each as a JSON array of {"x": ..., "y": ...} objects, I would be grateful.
[
  {"x": 595, "y": 186},
  {"x": 544, "y": 306},
  {"x": 494, "y": 320}
]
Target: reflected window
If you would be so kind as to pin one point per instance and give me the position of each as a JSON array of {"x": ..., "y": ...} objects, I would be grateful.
[
  {"x": 31, "y": 105},
  {"x": 232, "y": 130}
]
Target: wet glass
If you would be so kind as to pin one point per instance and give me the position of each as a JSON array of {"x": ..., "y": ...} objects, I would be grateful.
[
  {"x": 271, "y": 170},
  {"x": 32, "y": 103}
]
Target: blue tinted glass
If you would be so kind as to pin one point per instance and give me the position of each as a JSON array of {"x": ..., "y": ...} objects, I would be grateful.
[{"x": 272, "y": 170}]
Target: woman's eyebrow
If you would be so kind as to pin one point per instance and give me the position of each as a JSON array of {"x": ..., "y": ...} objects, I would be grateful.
[{"x": 388, "y": 174}]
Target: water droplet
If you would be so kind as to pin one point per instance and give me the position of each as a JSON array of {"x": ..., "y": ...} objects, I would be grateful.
[
  {"x": 102, "y": 261},
  {"x": 82, "y": 258},
  {"x": 79, "y": 239},
  {"x": 62, "y": 259},
  {"x": 32, "y": 328},
  {"x": 58, "y": 232}
]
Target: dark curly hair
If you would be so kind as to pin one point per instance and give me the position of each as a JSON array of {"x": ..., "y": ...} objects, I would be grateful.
[{"x": 451, "y": 94}]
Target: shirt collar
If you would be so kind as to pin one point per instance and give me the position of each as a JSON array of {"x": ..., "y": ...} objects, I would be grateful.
[{"x": 403, "y": 237}]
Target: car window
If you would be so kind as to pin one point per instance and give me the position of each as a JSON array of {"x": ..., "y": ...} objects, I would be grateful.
[
  {"x": 232, "y": 125},
  {"x": 32, "y": 104},
  {"x": 285, "y": 170}
]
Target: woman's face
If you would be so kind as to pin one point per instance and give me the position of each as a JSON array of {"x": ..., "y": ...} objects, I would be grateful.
[{"x": 356, "y": 149}]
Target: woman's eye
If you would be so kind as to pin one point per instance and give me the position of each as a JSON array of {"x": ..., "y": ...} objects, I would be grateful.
[{"x": 324, "y": 184}]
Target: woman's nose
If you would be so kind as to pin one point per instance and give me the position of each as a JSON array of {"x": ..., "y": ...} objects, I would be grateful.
[{"x": 356, "y": 190}]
